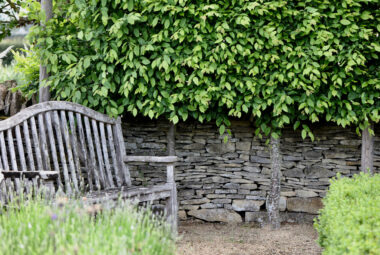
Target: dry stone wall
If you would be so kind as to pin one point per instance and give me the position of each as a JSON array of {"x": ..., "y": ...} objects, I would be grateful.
[{"x": 228, "y": 182}]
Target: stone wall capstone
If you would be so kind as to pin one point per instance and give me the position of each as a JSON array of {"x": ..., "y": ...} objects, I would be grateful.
[{"x": 229, "y": 182}]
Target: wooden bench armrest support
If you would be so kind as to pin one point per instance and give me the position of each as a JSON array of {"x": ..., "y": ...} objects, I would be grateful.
[{"x": 151, "y": 159}]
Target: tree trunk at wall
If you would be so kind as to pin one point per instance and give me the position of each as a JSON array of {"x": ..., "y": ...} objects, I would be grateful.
[
  {"x": 367, "y": 150},
  {"x": 44, "y": 92},
  {"x": 171, "y": 140},
  {"x": 273, "y": 199}
]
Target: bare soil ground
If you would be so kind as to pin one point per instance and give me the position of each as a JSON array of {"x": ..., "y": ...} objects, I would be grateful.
[{"x": 246, "y": 239}]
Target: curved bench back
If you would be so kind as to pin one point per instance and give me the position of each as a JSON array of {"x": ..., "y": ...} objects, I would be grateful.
[{"x": 85, "y": 146}]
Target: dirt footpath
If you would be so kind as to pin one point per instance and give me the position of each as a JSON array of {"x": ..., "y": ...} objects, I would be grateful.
[{"x": 246, "y": 239}]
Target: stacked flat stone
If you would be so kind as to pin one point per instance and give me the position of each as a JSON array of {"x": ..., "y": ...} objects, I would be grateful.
[{"x": 228, "y": 182}]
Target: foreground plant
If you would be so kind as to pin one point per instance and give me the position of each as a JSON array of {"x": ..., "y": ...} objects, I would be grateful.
[
  {"x": 349, "y": 223},
  {"x": 72, "y": 227}
]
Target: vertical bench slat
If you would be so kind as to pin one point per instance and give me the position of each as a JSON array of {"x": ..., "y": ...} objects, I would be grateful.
[
  {"x": 49, "y": 127},
  {"x": 84, "y": 151},
  {"x": 58, "y": 130},
  {"x": 28, "y": 145},
  {"x": 99, "y": 153},
  {"x": 73, "y": 138},
  {"x": 113, "y": 155},
  {"x": 105, "y": 153},
  {"x": 92, "y": 158},
  {"x": 120, "y": 151},
  {"x": 44, "y": 147},
  {"x": 69, "y": 148},
  {"x": 20, "y": 147},
  {"x": 1, "y": 164},
  {"x": 37, "y": 147},
  {"x": 4, "y": 151},
  {"x": 12, "y": 153}
]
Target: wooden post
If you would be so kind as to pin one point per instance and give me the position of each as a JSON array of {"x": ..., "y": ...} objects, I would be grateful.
[
  {"x": 44, "y": 92},
  {"x": 172, "y": 204},
  {"x": 367, "y": 150},
  {"x": 273, "y": 199}
]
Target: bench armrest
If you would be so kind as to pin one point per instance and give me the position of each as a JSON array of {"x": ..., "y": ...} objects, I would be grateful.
[{"x": 151, "y": 159}]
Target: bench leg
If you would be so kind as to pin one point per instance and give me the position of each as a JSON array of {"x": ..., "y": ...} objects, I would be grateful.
[{"x": 172, "y": 209}]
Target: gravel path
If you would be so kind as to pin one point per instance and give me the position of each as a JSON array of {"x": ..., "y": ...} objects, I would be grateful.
[{"x": 246, "y": 239}]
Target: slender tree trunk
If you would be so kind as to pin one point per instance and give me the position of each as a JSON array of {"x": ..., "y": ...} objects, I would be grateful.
[
  {"x": 273, "y": 199},
  {"x": 171, "y": 140},
  {"x": 44, "y": 92},
  {"x": 367, "y": 150}
]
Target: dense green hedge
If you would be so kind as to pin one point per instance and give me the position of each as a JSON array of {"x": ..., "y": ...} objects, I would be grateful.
[
  {"x": 349, "y": 223},
  {"x": 284, "y": 62}
]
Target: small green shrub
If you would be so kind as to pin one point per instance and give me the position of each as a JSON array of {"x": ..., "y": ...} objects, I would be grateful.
[
  {"x": 8, "y": 73},
  {"x": 27, "y": 65},
  {"x": 349, "y": 223},
  {"x": 37, "y": 227}
]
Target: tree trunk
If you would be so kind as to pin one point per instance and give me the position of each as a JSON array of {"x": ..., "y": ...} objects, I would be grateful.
[
  {"x": 171, "y": 140},
  {"x": 367, "y": 150},
  {"x": 273, "y": 199},
  {"x": 44, "y": 92}
]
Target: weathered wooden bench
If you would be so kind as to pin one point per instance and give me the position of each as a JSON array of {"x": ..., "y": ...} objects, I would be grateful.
[{"x": 72, "y": 148}]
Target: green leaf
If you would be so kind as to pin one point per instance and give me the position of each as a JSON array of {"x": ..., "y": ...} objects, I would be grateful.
[
  {"x": 345, "y": 22},
  {"x": 175, "y": 119},
  {"x": 222, "y": 129}
]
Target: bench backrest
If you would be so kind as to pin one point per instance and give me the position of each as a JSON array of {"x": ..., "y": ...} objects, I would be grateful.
[{"x": 85, "y": 146}]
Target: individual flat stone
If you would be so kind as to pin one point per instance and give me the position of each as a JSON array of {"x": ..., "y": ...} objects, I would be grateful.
[
  {"x": 221, "y": 148},
  {"x": 261, "y": 160},
  {"x": 295, "y": 172},
  {"x": 247, "y": 205},
  {"x": 216, "y": 215},
  {"x": 309, "y": 205},
  {"x": 195, "y": 201},
  {"x": 318, "y": 172},
  {"x": 243, "y": 146},
  {"x": 306, "y": 193}
]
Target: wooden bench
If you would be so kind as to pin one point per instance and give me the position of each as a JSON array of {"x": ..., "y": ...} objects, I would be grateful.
[{"x": 72, "y": 148}]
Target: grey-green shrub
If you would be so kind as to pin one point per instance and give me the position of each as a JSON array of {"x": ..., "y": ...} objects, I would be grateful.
[
  {"x": 37, "y": 227},
  {"x": 349, "y": 223}
]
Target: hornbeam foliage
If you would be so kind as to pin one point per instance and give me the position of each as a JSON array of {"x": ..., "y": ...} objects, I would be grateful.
[{"x": 284, "y": 62}]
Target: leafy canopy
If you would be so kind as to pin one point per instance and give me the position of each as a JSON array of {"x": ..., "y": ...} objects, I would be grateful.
[{"x": 284, "y": 62}]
